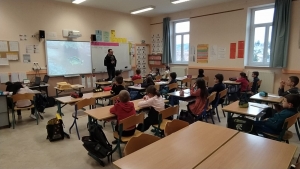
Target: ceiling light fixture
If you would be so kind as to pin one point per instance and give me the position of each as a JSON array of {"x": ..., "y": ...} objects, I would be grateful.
[
  {"x": 77, "y": 1},
  {"x": 178, "y": 1},
  {"x": 145, "y": 9}
]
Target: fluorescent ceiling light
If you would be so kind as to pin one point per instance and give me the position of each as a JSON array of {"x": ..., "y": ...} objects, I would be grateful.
[
  {"x": 145, "y": 9},
  {"x": 77, "y": 1},
  {"x": 178, "y": 1}
]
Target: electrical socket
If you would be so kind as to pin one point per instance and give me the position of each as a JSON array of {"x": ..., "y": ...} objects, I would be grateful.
[{"x": 35, "y": 62}]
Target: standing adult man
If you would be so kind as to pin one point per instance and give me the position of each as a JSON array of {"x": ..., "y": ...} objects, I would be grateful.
[{"x": 110, "y": 62}]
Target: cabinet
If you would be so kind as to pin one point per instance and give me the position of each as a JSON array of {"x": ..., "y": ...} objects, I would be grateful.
[{"x": 4, "y": 117}]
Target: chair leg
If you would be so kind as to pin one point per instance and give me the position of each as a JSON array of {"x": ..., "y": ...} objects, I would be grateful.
[
  {"x": 119, "y": 148},
  {"x": 112, "y": 126},
  {"x": 13, "y": 119},
  {"x": 77, "y": 130},
  {"x": 212, "y": 118},
  {"x": 72, "y": 125},
  {"x": 218, "y": 114},
  {"x": 37, "y": 116},
  {"x": 297, "y": 129},
  {"x": 223, "y": 110}
]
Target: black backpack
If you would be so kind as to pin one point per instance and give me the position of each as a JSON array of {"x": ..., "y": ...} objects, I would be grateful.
[
  {"x": 55, "y": 130},
  {"x": 41, "y": 102},
  {"x": 97, "y": 144},
  {"x": 241, "y": 124},
  {"x": 187, "y": 116},
  {"x": 50, "y": 102}
]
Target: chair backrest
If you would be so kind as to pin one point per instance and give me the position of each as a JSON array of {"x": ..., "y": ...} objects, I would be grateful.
[
  {"x": 206, "y": 78},
  {"x": 114, "y": 99},
  {"x": 26, "y": 96},
  {"x": 290, "y": 121},
  {"x": 259, "y": 83},
  {"x": 173, "y": 86},
  {"x": 136, "y": 143},
  {"x": 138, "y": 81},
  {"x": 158, "y": 77},
  {"x": 188, "y": 81},
  {"x": 157, "y": 87},
  {"x": 250, "y": 84},
  {"x": 167, "y": 75},
  {"x": 174, "y": 126},
  {"x": 131, "y": 121},
  {"x": 211, "y": 97},
  {"x": 223, "y": 93},
  {"x": 85, "y": 102},
  {"x": 168, "y": 112}
]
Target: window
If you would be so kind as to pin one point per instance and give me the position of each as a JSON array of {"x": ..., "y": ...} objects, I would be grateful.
[
  {"x": 260, "y": 36},
  {"x": 181, "y": 41}
]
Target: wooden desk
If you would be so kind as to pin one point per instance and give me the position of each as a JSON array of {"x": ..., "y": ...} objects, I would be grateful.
[
  {"x": 184, "y": 77},
  {"x": 270, "y": 99},
  {"x": 183, "y": 149},
  {"x": 161, "y": 83},
  {"x": 104, "y": 83},
  {"x": 76, "y": 87},
  {"x": 251, "y": 152},
  {"x": 129, "y": 80},
  {"x": 41, "y": 87},
  {"x": 136, "y": 88},
  {"x": 228, "y": 82},
  {"x": 177, "y": 94}
]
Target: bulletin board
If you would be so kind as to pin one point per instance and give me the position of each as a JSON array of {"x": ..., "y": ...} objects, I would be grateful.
[{"x": 9, "y": 50}]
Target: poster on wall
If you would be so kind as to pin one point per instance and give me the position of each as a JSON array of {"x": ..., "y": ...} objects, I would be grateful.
[
  {"x": 241, "y": 49},
  {"x": 232, "y": 50},
  {"x": 213, "y": 52},
  {"x": 202, "y": 53}
]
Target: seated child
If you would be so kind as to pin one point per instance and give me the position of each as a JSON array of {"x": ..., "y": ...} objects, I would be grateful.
[
  {"x": 122, "y": 110},
  {"x": 172, "y": 99},
  {"x": 274, "y": 124},
  {"x": 244, "y": 82},
  {"x": 291, "y": 83},
  {"x": 200, "y": 73},
  {"x": 156, "y": 73},
  {"x": 118, "y": 73},
  {"x": 154, "y": 100},
  {"x": 148, "y": 82},
  {"x": 137, "y": 75},
  {"x": 118, "y": 86},
  {"x": 201, "y": 94},
  {"x": 218, "y": 87},
  {"x": 255, "y": 81},
  {"x": 166, "y": 73}
]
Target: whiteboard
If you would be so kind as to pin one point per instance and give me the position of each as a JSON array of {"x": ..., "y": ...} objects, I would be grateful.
[{"x": 100, "y": 50}]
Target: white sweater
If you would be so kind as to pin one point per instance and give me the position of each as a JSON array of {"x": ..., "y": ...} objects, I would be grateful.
[
  {"x": 24, "y": 103},
  {"x": 156, "y": 102}
]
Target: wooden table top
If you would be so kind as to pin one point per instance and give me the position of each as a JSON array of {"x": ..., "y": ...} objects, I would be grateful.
[
  {"x": 187, "y": 93},
  {"x": 136, "y": 87},
  {"x": 251, "y": 152},
  {"x": 127, "y": 80},
  {"x": 183, "y": 149},
  {"x": 231, "y": 82},
  {"x": 76, "y": 86},
  {"x": 184, "y": 77},
  {"x": 69, "y": 99},
  {"x": 253, "y": 110},
  {"x": 161, "y": 83},
  {"x": 272, "y": 98},
  {"x": 104, "y": 83}
]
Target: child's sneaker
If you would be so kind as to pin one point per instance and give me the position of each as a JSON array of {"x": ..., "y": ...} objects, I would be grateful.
[{"x": 32, "y": 116}]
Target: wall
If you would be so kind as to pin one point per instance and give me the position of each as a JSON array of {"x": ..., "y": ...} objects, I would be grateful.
[
  {"x": 30, "y": 16},
  {"x": 224, "y": 28}
]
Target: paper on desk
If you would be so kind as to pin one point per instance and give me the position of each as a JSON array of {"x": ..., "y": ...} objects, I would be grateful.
[
  {"x": 4, "y": 77},
  {"x": 14, "y": 77},
  {"x": 94, "y": 81},
  {"x": 22, "y": 76},
  {"x": 83, "y": 81},
  {"x": 13, "y": 46},
  {"x": 88, "y": 80}
]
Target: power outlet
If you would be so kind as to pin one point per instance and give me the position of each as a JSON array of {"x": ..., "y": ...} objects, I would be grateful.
[{"x": 36, "y": 63}]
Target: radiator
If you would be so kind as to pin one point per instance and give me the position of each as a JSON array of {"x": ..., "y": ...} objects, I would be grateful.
[
  {"x": 267, "y": 83},
  {"x": 180, "y": 71}
]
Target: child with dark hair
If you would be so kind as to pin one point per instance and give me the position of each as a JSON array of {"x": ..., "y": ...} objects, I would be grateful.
[
  {"x": 154, "y": 100},
  {"x": 118, "y": 86},
  {"x": 117, "y": 73},
  {"x": 137, "y": 75},
  {"x": 148, "y": 82},
  {"x": 166, "y": 73},
  {"x": 201, "y": 94},
  {"x": 255, "y": 86},
  {"x": 200, "y": 73},
  {"x": 218, "y": 87},
  {"x": 122, "y": 110},
  {"x": 274, "y": 124},
  {"x": 291, "y": 83},
  {"x": 244, "y": 82},
  {"x": 172, "y": 99}
]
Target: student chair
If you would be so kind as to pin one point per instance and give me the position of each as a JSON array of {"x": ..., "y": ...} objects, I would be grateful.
[
  {"x": 136, "y": 143},
  {"x": 112, "y": 101},
  {"x": 207, "y": 109},
  {"x": 158, "y": 77},
  {"x": 162, "y": 121},
  {"x": 157, "y": 87},
  {"x": 91, "y": 102},
  {"x": 138, "y": 81},
  {"x": 125, "y": 124},
  {"x": 170, "y": 87},
  {"x": 258, "y": 85},
  {"x": 187, "y": 83},
  {"x": 285, "y": 134},
  {"x": 175, "y": 125},
  {"x": 222, "y": 95},
  {"x": 18, "y": 97},
  {"x": 206, "y": 79}
]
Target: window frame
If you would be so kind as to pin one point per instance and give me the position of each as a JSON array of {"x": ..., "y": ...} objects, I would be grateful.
[
  {"x": 253, "y": 26},
  {"x": 182, "y": 42}
]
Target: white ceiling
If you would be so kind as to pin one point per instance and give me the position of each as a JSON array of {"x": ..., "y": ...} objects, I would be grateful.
[{"x": 162, "y": 6}]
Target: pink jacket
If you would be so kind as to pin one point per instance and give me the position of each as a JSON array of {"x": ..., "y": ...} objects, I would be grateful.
[{"x": 156, "y": 102}]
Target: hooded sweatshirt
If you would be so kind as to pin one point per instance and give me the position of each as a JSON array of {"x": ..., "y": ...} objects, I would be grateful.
[
  {"x": 123, "y": 110},
  {"x": 244, "y": 84}
]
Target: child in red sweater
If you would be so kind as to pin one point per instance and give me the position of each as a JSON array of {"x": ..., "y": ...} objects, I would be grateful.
[
  {"x": 137, "y": 75},
  {"x": 122, "y": 110},
  {"x": 244, "y": 82}
]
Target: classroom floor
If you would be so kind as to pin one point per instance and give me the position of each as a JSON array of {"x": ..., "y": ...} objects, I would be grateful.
[{"x": 26, "y": 146}]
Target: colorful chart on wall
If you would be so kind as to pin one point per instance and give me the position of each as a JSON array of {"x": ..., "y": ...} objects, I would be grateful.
[{"x": 202, "y": 53}]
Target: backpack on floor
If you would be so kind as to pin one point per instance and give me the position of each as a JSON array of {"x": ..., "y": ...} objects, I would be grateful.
[
  {"x": 41, "y": 102},
  {"x": 241, "y": 124},
  {"x": 97, "y": 143},
  {"x": 50, "y": 102},
  {"x": 55, "y": 130},
  {"x": 185, "y": 115}
]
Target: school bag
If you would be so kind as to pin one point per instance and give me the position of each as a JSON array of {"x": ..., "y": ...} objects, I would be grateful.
[
  {"x": 41, "y": 102},
  {"x": 97, "y": 144},
  {"x": 187, "y": 116},
  {"x": 241, "y": 124},
  {"x": 243, "y": 102},
  {"x": 55, "y": 129}
]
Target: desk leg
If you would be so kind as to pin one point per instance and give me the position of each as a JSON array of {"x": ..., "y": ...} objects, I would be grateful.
[
  {"x": 59, "y": 108},
  {"x": 46, "y": 88},
  {"x": 297, "y": 124},
  {"x": 56, "y": 92},
  {"x": 229, "y": 116}
]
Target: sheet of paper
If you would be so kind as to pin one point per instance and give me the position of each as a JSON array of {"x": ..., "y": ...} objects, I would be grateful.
[
  {"x": 14, "y": 77},
  {"x": 112, "y": 33},
  {"x": 221, "y": 53},
  {"x": 94, "y": 81},
  {"x": 22, "y": 76},
  {"x": 105, "y": 37},
  {"x": 26, "y": 58},
  {"x": 98, "y": 35},
  {"x": 88, "y": 80},
  {"x": 12, "y": 56},
  {"x": 83, "y": 81},
  {"x": 29, "y": 49},
  {"x": 4, "y": 61},
  {"x": 3, "y": 46},
  {"x": 13, "y": 46},
  {"x": 4, "y": 77},
  {"x": 130, "y": 73}
]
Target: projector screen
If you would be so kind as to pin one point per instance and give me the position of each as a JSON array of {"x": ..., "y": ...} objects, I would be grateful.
[{"x": 68, "y": 57}]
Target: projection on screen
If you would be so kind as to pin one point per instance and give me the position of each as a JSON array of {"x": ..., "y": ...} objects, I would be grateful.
[{"x": 68, "y": 58}]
